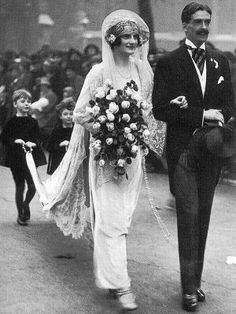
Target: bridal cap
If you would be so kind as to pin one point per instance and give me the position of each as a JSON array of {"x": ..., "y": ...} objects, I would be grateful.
[{"x": 115, "y": 23}]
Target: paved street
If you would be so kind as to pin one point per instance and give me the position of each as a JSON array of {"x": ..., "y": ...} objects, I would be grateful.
[{"x": 43, "y": 272}]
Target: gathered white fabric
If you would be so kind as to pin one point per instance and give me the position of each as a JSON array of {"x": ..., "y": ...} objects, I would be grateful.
[{"x": 66, "y": 194}]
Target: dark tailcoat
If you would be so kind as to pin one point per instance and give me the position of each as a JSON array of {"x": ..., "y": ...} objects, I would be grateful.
[
  {"x": 27, "y": 129},
  {"x": 192, "y": 180},
  {"x": 57, "y": 152},
  {"x": 175, "y": 75}
]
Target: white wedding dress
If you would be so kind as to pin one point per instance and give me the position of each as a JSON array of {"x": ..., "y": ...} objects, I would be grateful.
[{"x": 80, "y": 190}]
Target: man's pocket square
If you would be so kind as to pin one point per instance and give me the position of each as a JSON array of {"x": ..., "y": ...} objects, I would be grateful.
[{"x": 221, "y": 79}]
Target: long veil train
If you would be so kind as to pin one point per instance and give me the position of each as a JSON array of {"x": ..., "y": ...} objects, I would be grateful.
[{"x": 40, "y": 188}]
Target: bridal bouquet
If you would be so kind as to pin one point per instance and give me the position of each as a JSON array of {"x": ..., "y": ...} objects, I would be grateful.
[{"x": 118, "y": 125}]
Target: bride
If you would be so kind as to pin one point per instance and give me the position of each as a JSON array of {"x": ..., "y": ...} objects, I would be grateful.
[{"x": 72, "y": 189}]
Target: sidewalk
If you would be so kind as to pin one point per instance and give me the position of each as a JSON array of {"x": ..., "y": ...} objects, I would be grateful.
[{"x": 44, "y": 272}]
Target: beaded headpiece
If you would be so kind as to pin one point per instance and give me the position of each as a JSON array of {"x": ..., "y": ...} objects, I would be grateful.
[
  {"x": 118, "y": 29},
  {"x": 116, "y": 22}
]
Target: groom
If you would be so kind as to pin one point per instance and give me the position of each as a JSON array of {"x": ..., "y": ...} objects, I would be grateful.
[{"x": 192, "y": 87}]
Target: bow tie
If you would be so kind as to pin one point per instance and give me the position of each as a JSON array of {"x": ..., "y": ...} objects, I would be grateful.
[{"x": 199, "y": 57}]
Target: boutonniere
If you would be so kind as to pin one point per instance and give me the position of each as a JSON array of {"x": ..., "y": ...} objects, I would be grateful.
[
  {"x": 221, "y": 79},
  {"x": 215, "y": 63}
]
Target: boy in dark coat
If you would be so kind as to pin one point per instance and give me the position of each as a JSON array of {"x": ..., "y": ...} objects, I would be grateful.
[
  {"x": 19, "y": 134},
  {"x": 60, "y": 137}
]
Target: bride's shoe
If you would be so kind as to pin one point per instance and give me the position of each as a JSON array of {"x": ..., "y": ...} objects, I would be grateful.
[{"x": 127, "y": 300}]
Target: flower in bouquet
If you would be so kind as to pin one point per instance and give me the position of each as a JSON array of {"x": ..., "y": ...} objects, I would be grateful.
[{"x": 119, "y": 130}]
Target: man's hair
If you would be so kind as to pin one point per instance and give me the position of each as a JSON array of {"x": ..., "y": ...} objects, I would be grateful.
[
  {"x": 67, "y": 103},
  {"x": 21, "y": 93},
  {"x": 191, "y": 8}
]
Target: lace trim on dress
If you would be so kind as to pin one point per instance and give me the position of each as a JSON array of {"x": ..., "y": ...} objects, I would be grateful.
[{"x": 70, "y": 215}]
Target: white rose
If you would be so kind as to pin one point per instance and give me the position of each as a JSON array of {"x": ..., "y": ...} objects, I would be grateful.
[
  {"x": 144, "y": 105},
  {"x": 125, "y": 104},
  {"x": 126, "y": 117},
  {"x": 101, "y": 162},
  {"x": 110, "y": 126},
  {"x": 146, "y": 133},
  {"x": 136, "y": 96},
  {"x": 130, "y": 137},
  {"x": 129, "y": 91},
  {"x": 110, "y": 116},
  {"x": 134, "y": 149},
  {"x": 121, "y": 163},
  {"x": 96, "y": 126},
  {"x": 96, "y": 110},
  {"x": 97, "y": 146},
  {"x": 89, "y": 110},
  {"x": 102, "y": 119},
  {"x": 133, "y": 126},
  {"x": 113, "y": 107},
  {"x": 127, "y": 130},
  {"x": 112, "y": 94},
  {"x": 96, "y": 142},
  {"x": 100, "y": 92},
  {"x": 109, "y": 140}
]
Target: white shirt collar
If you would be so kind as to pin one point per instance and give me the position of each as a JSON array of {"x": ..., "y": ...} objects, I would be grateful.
[{"x": 189, "y": 43}]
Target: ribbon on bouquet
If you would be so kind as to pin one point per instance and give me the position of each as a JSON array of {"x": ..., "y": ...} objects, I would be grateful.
[{"x": 154, "y": 208}]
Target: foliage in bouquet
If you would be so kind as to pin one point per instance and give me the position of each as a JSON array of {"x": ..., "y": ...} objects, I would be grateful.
[{"x": 118, "y": 125}]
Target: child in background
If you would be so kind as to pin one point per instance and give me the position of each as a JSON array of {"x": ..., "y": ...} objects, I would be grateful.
[
  {"x": 21, "y": 133},
  {"x": 60, "y": 137},
  {"x": 68, "y": 91}
]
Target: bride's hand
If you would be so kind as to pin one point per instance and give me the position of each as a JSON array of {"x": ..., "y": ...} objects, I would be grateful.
[
  {"x": 180, "y": 101},
  {"x": 64, "y": 143}
]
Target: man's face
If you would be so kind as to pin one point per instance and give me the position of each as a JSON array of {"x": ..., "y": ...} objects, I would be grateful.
[{"x": 197, "y": 29}]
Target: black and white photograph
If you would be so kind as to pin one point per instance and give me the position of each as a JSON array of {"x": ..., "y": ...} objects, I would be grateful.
[{"x": 117, "y": 156}]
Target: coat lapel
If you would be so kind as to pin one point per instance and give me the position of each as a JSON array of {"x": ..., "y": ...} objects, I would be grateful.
[{"x": 210, "y": 78}]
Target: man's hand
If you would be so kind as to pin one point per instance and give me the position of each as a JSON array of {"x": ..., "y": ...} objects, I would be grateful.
[
  {"x": 180, "y": 101},
  {"x": 30, "y": 144},
  {"x": 213, "y": 114}
]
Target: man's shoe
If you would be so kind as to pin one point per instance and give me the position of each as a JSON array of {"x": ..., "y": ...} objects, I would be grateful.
[
  {"x": 127, "y": 300},
  {"x": 189, "y": 302},
  {"x": 21, "y": 222},
  {"x": 200, "y": 295},
  {"x": 26, "y": 212}
]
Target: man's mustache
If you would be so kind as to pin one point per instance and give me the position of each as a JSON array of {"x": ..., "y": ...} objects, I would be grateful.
[{"x": 203, "y": 32}]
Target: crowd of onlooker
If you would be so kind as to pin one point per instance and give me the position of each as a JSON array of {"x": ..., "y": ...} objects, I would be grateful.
[{"x": 51, "y": 75}]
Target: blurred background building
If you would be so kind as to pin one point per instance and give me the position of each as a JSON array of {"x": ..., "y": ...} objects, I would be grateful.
[{"x": 28, "y": 24}]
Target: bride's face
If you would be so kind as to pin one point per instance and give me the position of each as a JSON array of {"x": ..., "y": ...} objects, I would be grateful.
[{"x": 128, "y": 42}]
